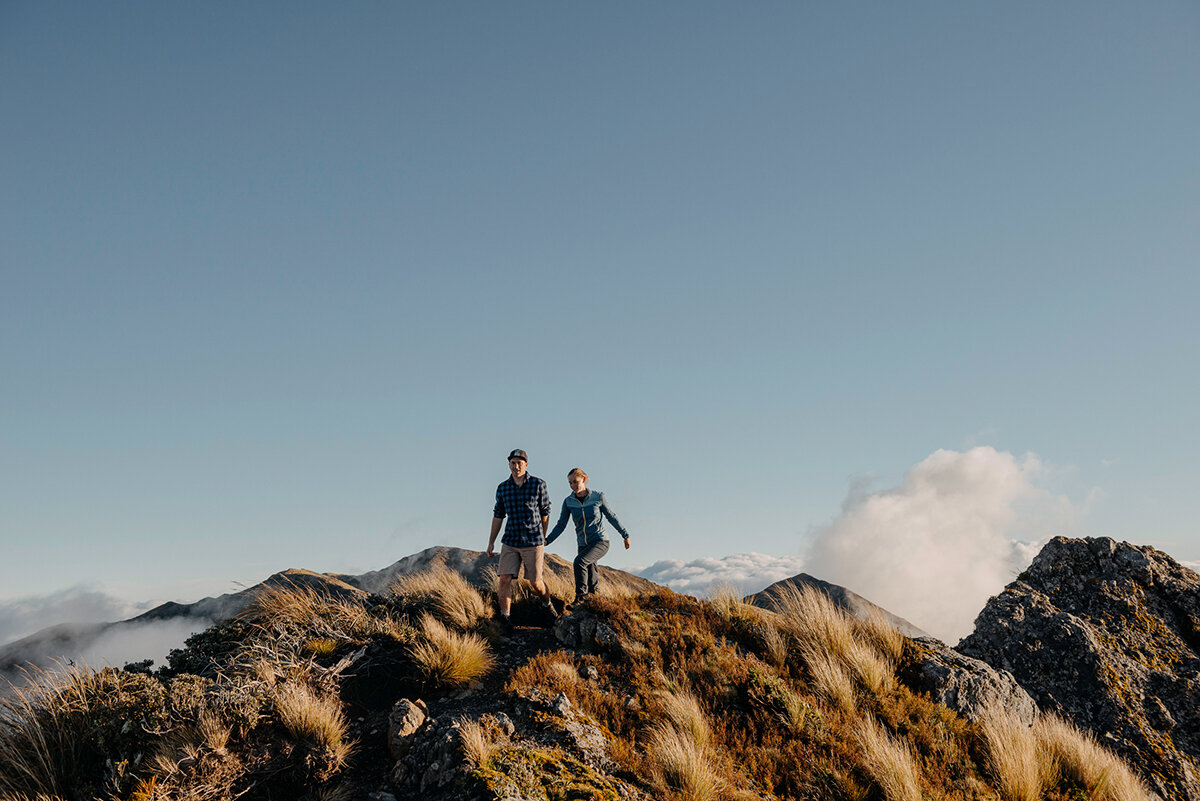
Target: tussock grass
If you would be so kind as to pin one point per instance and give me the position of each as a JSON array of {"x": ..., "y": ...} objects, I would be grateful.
[
  {"x": 449, "y": 595},
  {"x": 874, "y": 672},
  {"x": 314, "y": 719},
  {"x": 829, "y": 679},
  {"x": 876, "y": 630},
  {"x": 728, "y": 601},
  {"x": 450, "y": 658},
  {"x": 475, "y": 741},
  {"x": 809, "y": 615},
  {"x": 1014, "y": 756},
  {"x": 890, "y": 762},
  {"x": 683, "y": 712},
  {"x": 680, "y": 747},
  {"x": 683, "y": 764},
  {"x": 1075, "y": 755},
  {"x": 553, "y": 672}
]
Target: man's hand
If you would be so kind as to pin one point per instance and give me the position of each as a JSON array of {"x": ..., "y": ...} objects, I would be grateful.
[
  {"x": 492, "y": 553},
  {"x": 627, "y": 543}
]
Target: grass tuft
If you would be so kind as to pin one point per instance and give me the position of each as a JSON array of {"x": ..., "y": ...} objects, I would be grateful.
[
  {"x": 1075, "y": 755},
  {"x": 314, "y": 719},
  {"x": 450, "y": 658},
  {"x": 889, "y": 761},
  {"x": 1013, "y": 756},
  {"x": 475, "y": 742},
  {"x": 448, "y": 594},
  {"x": 684, "y": 765}
]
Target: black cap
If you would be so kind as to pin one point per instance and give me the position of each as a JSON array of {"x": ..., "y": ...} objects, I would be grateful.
[{"x": 519, "y": 454}]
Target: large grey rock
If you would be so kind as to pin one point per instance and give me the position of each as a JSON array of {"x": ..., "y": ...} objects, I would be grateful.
[
  {"x": 968, "y": 686},
  {"x": 1107, "y": 635}
]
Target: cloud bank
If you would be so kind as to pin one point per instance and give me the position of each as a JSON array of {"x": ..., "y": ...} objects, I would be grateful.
[
  {"x": 80, "y": 604},
  {"x": 934, "y": 549},
  {"x": 749, "y": 572}
]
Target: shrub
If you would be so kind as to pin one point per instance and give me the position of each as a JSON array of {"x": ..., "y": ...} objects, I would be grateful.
[
  {"x": 59, "y": 730},
  {"x": 450, "y": 658},
  {"x": 889, "y": 761}
]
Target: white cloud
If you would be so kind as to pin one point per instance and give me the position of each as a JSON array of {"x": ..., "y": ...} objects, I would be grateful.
[
  {"x": 134, "y": 642},
  {"x": 80, "y": 604},
  {"x": 1192, "y": 565},
  {"x": 955, "y": 532},
  {"x": 749, "y": 572}
]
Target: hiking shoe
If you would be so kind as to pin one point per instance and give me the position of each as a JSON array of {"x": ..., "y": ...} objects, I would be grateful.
[{"x": 506, "y": 625}]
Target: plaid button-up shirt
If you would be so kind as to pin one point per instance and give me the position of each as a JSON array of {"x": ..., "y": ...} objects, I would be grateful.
[{"x": 524, "y": 506}]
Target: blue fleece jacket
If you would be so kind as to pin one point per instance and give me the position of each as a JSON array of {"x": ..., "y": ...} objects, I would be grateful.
[{"x": 588, "y": 516}]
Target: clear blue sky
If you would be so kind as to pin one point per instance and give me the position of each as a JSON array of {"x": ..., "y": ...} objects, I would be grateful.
[{"x": 282, "y": 283}]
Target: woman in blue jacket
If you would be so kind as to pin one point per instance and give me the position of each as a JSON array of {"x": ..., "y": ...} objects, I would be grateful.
[{"x": 587, "y": 508}]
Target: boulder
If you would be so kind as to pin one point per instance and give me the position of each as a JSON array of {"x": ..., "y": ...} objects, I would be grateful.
[
  {"x": 968, "y": 686},
  {"x": 1107, "y": 635}
]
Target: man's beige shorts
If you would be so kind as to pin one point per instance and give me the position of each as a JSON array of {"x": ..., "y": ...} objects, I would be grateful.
[{"x": 512, "y": 558}]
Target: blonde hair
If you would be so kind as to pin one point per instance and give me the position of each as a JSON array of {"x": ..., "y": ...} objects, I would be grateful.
[{"x": 575, "y": 471}]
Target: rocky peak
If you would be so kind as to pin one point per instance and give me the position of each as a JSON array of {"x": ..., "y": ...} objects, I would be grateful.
[{"x": 1107, "y": 634}]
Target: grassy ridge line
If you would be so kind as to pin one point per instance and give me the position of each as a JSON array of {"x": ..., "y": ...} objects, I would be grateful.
[{"x": 697, "y": 700}]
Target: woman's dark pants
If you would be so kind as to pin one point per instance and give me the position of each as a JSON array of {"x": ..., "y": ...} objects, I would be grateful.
[{"x": 587, "y": 575}]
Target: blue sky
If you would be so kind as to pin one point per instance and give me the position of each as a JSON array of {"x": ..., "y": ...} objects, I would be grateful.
[{"x": 282, "y": 284}]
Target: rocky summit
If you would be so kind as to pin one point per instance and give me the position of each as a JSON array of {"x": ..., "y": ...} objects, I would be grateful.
[{"x": 1107, "y": 635}]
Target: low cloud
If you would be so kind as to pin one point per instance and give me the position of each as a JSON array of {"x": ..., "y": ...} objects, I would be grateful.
[
  {"x": 133, "y": 642},
  {"x": 1192, "y": 565},
  {"x": 20, "y": 617},
  {"x": 749, "y": 572},
  {"x": 955, "y": 532}
]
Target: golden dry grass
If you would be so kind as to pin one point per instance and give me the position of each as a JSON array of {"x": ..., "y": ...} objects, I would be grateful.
[
  {"x": 873, "y": 671},
  {"x": 808, "y": 614},
  {"x": 828, "y": 677},
  {"x": 1014, "y": 757},
  {"x": 450, "y": 596},
  {"x": 683, "y": 712},
  {"x": 728, "y": 601},
  {"x": 683, "y": 764},
  {"x": 315, "y": 719},
  {"x": 1066, "y": 751},
  {"x": 475, "y": 742},
  {"x": 889, "y": 761},
  {"x": 875, "y": 629},
  {"x": 450, "y": 658}
]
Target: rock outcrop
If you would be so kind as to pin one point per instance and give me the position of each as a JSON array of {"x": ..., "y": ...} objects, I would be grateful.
[
  {"x": 1107, "y": 635},
  {"x": 968, "y": 686}
]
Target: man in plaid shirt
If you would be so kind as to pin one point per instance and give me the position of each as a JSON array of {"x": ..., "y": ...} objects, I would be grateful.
[{"x": 525, "y": 501}]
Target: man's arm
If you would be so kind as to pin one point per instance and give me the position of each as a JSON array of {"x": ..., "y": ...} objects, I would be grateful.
[{"x": 492, "y": 537}]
